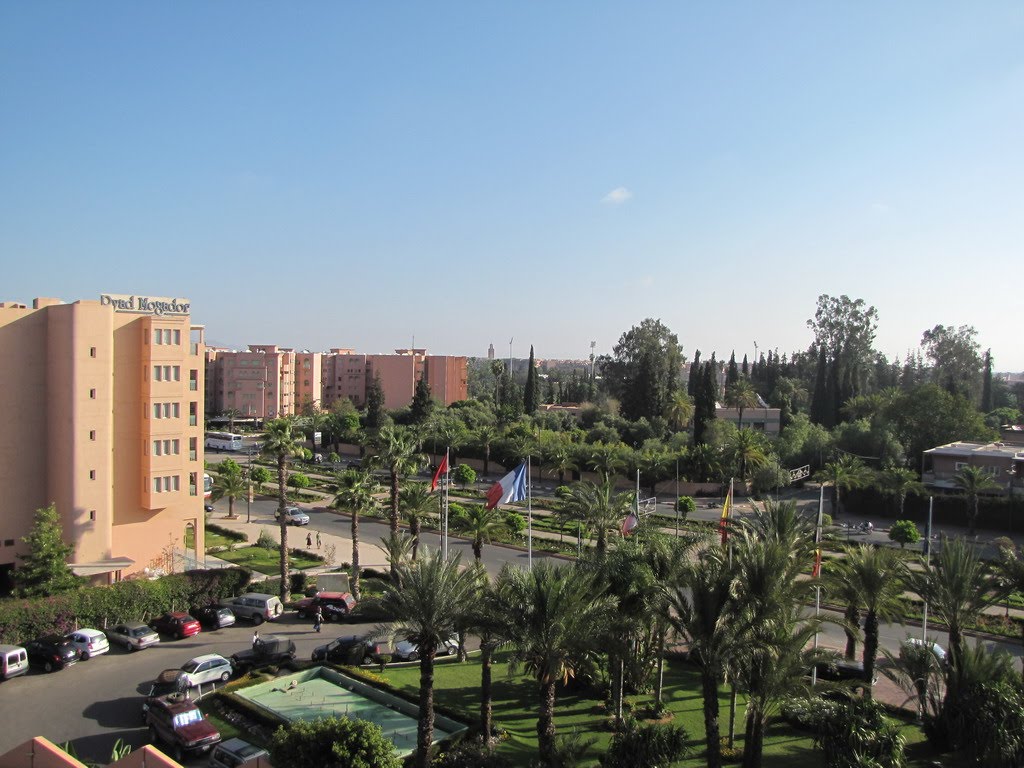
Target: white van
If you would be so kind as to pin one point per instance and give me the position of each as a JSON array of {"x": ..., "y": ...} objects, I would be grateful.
[{"x": 13, "y": 661}]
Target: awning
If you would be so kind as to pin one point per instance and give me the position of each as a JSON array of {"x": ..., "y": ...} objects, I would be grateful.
[{"x": 99, "y": 567}]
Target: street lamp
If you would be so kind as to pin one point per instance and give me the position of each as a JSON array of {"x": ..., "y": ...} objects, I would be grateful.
[{"x": 248, "y": 484}]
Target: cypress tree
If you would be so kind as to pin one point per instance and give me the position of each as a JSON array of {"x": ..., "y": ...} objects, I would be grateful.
[
  {"x": 745, "y": 368},
  {"x": 375, "y": 403},
  {"x": 733, "y": 374},
  {"x": 986, "y": 384},
  {"x": 531, "y": 395},
  {"x": 44, "y": 568},
  {"x": 819, "y": 407},
  {"x": 691, "y": 384},
  {"x": 422, "y": 402}
]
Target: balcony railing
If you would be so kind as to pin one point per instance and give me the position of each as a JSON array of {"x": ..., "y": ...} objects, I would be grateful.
[
  {"x": 192, "y": 420},
  {"x": 193, "y": 385}
]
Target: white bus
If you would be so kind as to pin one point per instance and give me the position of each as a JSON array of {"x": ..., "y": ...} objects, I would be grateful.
[
  {"x": 207, "y": 486},
  {"x": 223, "y": 441}
]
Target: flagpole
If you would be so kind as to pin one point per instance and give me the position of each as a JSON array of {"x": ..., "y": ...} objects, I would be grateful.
[
  {"x": 817, "y": 586},
  {"x": 928, "y": 561},
  {"x": 529, "y": 513},
  {"x": 444, "y": 521}
]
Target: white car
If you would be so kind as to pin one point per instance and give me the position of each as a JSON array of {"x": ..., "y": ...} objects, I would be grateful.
[
  {"x": 133, "y": 635},
  {"x": 409, "y": 651},
  {"x": 89, "y": 642},
  {"x": 207, "y": 669},
  {"x": 293, "y": 515},
  {"x": 937, "y": 650}
]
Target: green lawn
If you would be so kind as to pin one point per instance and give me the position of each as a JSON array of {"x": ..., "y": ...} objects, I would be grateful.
[
  {"x": 214, "y": 539},
  {"x": 266, "y": 561}
]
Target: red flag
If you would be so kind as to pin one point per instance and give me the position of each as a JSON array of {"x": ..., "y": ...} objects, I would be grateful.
[
  {"x": 816, "y": 571},
  {"x": 629, "y": 524},
  {"x": 443, "y": 468}
]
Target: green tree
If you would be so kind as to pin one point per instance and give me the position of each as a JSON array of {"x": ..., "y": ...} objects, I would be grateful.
[
  {"x": 417, "y": 503},
  {"x": 555, "y": 614},
  {"x": 973, "y": 481},
  {"x": 260, "y": 476},
  {"x": 904, "y": 532},
  {"x": 356, "y": 493},
  {"x": 986, "y": 384},
  {"x": 843, "y": 474},
  {"x": 44, "y": 567},
  {"x": 747, "y": 449},
  {"x": 899, "y": 482},
  {"x": 598, "y": 508},
  {"x": 395, "y": 451},
  {"x": 422, "y": 402},
  {"x": 427, "y": 610},
  {"x": 741, "y": 395},
  {"x": 844, "y": 332},
  {"x": 479, "y": 524},
  {"x": 280, "y": 443},
  {"x": 732, "y": 373},
  {"x": 531, "y": 394},
  {"x": 704, "y": 401},
  {"x": 927, "y": 415},
  {"x": 956, "y": 362},
  {"x": 643, "y": 370},
  {"x": 485, "y": 436},
  {"x": 230, "y": 486},
  {"x": 376, "y": 416},
  {"x": 464, "y": 475},
  {"x": 332, "y": 742},
  {"x": 679, "y": 411},
  {"x": 314, "y": 419}
]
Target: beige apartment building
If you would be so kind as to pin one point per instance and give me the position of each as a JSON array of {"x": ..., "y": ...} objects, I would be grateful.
[
  {"x": 102, "y": 414},
  {"x": 267, "y": 381}
]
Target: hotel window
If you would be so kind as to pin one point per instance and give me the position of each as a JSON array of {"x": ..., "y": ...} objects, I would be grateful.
[
  {"x": 167, "y": 447},
  {"x": 177, "y": 410},
  {"x": 193, "y": 380},
  {"x": 167, "y": 335},
  {"x": 92, "y": 474},
  {"x": 177, "y": 338},
  {"x": 92, "y": 434},
  {"x": 157, "y": 336},
  {"x": 192, "y": 448},
  {"x": 176, "y": 447},
  {"x": 157, "y": 448},
  {"x": 193, "y": 414},
  {"x": 157, "y": 484},
  {"x": 175, "y": 482},
  {"x": 156, "y": 373},
  {"x": 92, "y": 351},
  {"x": 92, "y": 515},
  {"x": 156, "y": 410},
  {"x": 177, "y": 372},
  {"x": 193, "y": 490},
  {"x": 92, "y": 394}
]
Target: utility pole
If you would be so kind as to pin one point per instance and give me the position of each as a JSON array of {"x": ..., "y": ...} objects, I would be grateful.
[{"x": 510, "y": 376}]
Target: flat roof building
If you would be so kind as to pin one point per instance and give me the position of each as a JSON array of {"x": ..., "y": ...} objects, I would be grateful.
[{"x": 102, "y": 415}]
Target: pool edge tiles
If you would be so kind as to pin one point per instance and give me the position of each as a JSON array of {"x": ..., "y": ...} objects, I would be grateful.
[{"x": 323, "y": 692}]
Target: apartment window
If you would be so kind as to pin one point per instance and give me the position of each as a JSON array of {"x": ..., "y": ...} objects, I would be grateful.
[
  {"x": 156, "y": 410},
  {"x": 157, "y": 448},
  {"x": 157, "y": 484},
  {"x": 92, "y": 394},
  {"x": 173, "y": 482},
  {"x": 156, "y": 373},
  {"x": 959, "y": 465},
  {"x": 92, "y": 351},
  {"x": 177, "y": 410},
  {"x": 193, "y": 490},
  {"x": 176, "y": 370},
  {"x": 8, "y": 542},
  {"x": 92, "y": 515},
  {"x": 193, "y": 414},
  {"x": 158, "y": 336},
  {"x": 92, "y": 434},
  {"x": 92, "y": 474},
  {"x": 193, "y": 380},
  {"x": 167, "y": 335},
  {"x": 177, "y": 338},
  {"x": 192, "y": 443},
  {"x": 176, "y": 447}
]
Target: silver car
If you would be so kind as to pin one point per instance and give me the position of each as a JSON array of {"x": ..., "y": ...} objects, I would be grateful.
[
  {"x": 293, "y": 515},
  {"x": 409, "y": 651},
  {"x": 133, "y": 635},
  {"x": 208, "y": 668},
  {"x": 89, "y": 642}
]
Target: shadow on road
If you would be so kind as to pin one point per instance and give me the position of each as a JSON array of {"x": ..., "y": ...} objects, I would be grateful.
[{"x": 116, "y": 713}]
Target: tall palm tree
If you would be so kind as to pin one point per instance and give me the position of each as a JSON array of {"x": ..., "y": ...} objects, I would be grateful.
[
  {"x": 1010, "y": 573},
  {"x": 705, "y": 463},
  {"x": 232, "y": 414},
  {"x": 900, "y": 481},
  {"x": 398, "y": 550},
  {"x": 479, "y": 523},
  {"x": 747, "y": 449},
  {"x": 427, "y": 610},
  {"x": 230, "y": 486},
  {"x": 560, "y": 459},
  {"x": 417, "y": 503},
  {"x": 554, "y": 615},
  {"x": 701, "y": 599},
  {"x": 679, "y": 411},
  {"x": 486, "y": 620},
  {"x": 281, "y": 444},
  {"x": 875, "y": 576},
  {"x": 396, "y": 452},
  {"x": 485, "y": 436},
  {"x": 599, "y": 508},
  {"x": 607, "y": 461},
  {"x": 973, "y": 481},
  {"x": 356, "y": 489},
  {"x": 843, "y": 591},
  {"x": 958, "y": 586},
  {"x": 741, "y": 395},
  {"x": 843, "y": 474}
]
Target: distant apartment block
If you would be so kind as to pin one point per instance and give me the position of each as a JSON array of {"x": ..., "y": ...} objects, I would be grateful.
[
  {"x": 762, "y": 418},
  {"x": 103, "y": 418},
  {"x": 1003, "y": 462},
  {"x": 267, "y": 381}
]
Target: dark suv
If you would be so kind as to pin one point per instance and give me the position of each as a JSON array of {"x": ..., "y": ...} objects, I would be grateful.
[
  {"x": 270, "y": 649},
  {"x": 350, "y": 649},
  {"x": 177, "y": 722}
]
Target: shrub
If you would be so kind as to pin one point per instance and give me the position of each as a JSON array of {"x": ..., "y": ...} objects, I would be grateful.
[
  {"x": 687, "y": 505},
  {"x": 470, "y": 754},
  {"x": 853, "y": 727},
  {"x": 647, "y": 745},
  {"x": 298, "y": 480},
  {"x": 227, "y": 533},
  {"x": 265, "y": 540},
  {"x": 333, "y": 741},
  {"x": 904, "y": 532},
  {"x": 333, "y": 457},
  {"x": 464, "y": 474},
  {"x": 260, "y": 475},
  {"x": 516, "y": 523}
]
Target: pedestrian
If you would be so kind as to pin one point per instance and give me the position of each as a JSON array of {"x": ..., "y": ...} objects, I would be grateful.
[
  {"x": 256, "y": 638},
  {"x": 318, "y": 539},
  {"x": 318, "y": 618},
  {"x": 309, "y": 540}
]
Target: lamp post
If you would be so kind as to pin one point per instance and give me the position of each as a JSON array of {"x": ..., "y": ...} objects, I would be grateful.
[
  {"x": 677, "y": 497},
  {"x": 1012, "y": 472},
  {"x": 248, "y": 484}
]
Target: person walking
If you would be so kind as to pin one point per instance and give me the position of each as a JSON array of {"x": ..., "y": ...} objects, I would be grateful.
[
  {"x": 256, "y": 638},
  {"x": 309, "y": 540},
  {"x": 318, "y": 618},
  {"x": 318, "y": 539}
]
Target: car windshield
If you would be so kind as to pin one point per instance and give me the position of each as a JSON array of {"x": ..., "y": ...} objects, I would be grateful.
[
  {"x": 191, "y": 666},
  {"x": 187, "y": 718}
]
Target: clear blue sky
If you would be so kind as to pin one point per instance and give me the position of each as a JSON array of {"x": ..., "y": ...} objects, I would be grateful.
[{"x": 353, "y": 174}]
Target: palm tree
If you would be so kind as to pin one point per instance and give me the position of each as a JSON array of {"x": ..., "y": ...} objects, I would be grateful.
[
  {"x": 741, "y": 395},
  {"x": 230, "y": 486},
  {"x": 417, "y": 503},
  {"x": 356, "y": 489},
  {"x": 652, "y": 461},
  {"x": 899, "y": 482},
  {"x": 958, "y": 586},
  {"x": 479, "y": 523},
  {"x": 680, "y": 409},
  {"x": 485, "y": 436},
  {"x": 232, "y": 414},
  {"x": 561, "y": 460},
  {"x": 280, "y": 443},
  {"x": 701, "y": 599},
  {"x": 875, "y": 576},
  {"x": 555, "y": 614},
  {"x": 398, "y": 550},
  {"x": 843, "y": 591},
  {"x": 705, "y": 463},
  {"x": 747, "y": 449},
  {"x": 1010, "y": 573},
  {"x": 606, "y": 460},
  {"x": 599, "y": 508},
  {"x": 486, "y": 620},
  {"x": 396, "y": 452},
  {"x": 314, "y": 420},
  {"x": 427, "y": 610},
  {"x": 843, "y": 474},
  {"x": 973, "y": 481}
]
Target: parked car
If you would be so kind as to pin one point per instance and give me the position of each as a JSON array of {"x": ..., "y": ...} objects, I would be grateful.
[
  {"x": 133, "y": 635},
  {"x": 214, "y": 616},
  {"x": 257, "y": 607},
  {"x": 13, "y": 661},
  {"x": 293, "y": 515},
  {"x": 915, "y": 642},
  {"x": 178, "y": 723},
  {"x": 334, "y": 605},
  {"x": 207, "y": 669},
  {"x": 89, "y": 642},
  {"x": 409, "y": 651},
  {"x": 270, "y": 649},
  {"x": 842, "y": 670},
  {"x": 234, "y": 752},
  {"x": 167, "y": 683},
  {"x": 350, "y": 649},
  {"x": 176, "y": 624},
  {"x": 51, "y": 652},
  {"x": 208, "y": 508}
]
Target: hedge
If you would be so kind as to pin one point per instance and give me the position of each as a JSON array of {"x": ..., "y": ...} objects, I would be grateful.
[
  {"x": 227, "y": 533},
  {"x": 136, "y": 600}
]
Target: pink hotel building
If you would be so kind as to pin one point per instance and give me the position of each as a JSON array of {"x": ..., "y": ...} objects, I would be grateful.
[
  {"x": 267, "y": 381},
  {"x": 101, "y": 414}
]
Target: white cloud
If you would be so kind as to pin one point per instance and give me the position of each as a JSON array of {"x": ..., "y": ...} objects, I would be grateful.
[{"x": 617, "y": 196}]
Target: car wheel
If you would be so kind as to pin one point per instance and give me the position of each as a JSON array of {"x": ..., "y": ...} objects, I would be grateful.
[
  {"x": 302, "y": 614},
  {"x": 225, "y": 676},
  {"x": 131, "y": 648},
  {"x": 412, "y": 656},
  {"x": 257, "y": 619},
  {"x": 85, "y": 655},
  {"x": 48, "y": 666},
  {"x": 178, "y": 755},
  {"x": 153, "y": 739}
]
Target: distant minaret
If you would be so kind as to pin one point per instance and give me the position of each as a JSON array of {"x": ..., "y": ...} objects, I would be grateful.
[{"x": 490, "y": 352}]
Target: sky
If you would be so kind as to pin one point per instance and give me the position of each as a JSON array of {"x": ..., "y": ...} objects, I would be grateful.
[{"x": 343, "y": 174}]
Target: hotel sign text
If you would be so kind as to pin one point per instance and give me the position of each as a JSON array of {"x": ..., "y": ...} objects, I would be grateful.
[{"x": 145, "y": 305}]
